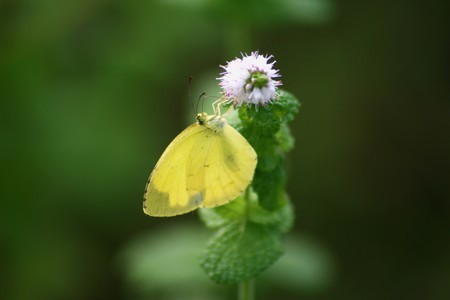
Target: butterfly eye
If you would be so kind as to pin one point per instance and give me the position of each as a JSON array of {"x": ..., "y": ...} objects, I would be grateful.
[{"x": 201, "y": 118}]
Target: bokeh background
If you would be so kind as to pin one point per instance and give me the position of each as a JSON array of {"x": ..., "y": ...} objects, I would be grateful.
[{"x": 93, "y": 91}]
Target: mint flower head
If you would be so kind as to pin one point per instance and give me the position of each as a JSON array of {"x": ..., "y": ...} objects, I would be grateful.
[{"x": 250, "y": 80}]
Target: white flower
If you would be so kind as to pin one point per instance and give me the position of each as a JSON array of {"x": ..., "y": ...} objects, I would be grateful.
[{"x": 250, "y": 80}]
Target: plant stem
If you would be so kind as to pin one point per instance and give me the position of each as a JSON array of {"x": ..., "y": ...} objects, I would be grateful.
[{"x": 246, "y": 290}]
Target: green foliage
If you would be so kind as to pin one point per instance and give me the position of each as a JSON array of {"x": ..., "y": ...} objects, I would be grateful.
[
  {"x": 247, "y": 241},
  {"x": 153, "y": 260},
  {"x": 249, "y": 229},
  {"x": 240, "y": 251},
  {"x": 267, "y": 132},
  {"x": 246, "y": 208}
]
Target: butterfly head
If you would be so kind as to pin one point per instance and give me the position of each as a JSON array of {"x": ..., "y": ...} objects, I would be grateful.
[
  {"x": 214, "y": 122},
  {"x": 202, "y": 118}
]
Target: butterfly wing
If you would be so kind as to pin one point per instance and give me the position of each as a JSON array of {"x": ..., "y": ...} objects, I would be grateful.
[
  {"x": 222, "y": 168},
  {"x": 166, "y": 193},
  {"x": 200, "y": 168}
]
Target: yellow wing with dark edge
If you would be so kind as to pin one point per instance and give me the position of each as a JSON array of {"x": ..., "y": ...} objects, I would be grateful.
[{"x": 200, "y": 168}]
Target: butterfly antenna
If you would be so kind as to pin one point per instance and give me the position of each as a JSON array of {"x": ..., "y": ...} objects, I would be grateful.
[
  {"x": 190, "y": 95},
  {"x": 200, "y": 99}
]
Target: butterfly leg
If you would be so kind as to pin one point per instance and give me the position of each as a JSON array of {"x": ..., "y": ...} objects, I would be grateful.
[
  {"x": 216, "y": 106},
  {"x": 229, "y": 111}
]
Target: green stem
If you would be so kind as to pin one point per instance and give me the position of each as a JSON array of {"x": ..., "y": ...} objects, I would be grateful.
[{"x": 246, "y": 290}]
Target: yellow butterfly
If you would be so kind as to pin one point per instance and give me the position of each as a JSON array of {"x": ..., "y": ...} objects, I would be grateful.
[{"x": 208, "y": 164}]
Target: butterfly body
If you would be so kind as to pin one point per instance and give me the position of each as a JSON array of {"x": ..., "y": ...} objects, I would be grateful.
[{"x": 208, "y": 164}]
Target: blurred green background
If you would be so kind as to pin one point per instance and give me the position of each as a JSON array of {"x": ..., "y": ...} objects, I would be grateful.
[{"x": 93, "y": 91}]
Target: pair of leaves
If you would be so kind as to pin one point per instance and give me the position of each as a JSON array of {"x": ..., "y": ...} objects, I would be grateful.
[{"x": 247, "y": 241}]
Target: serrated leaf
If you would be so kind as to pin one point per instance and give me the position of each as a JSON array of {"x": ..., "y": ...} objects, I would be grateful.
[
  {"x": 284, "y": 138},
  {"x": 269, "y": 185},
  {"x": 280, "y": 219},
  {"x": 268, "y": 157},
  {"x": 211, "y": 218},
  {"x": 286, "y": 107},
  {"x": 240, "y": 251},
  {"x": 266, "y": 130},
  {"x": 239, "y": 210},
  {"x": 219, "y": 216}
]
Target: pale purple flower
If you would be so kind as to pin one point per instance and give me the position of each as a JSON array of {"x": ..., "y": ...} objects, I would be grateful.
[{"x": 250, "y": 80}]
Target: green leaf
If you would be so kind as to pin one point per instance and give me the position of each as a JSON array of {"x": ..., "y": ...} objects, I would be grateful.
[
  {"x": 285, "y": 139},
  {"x": 286, "y": 107},
  {"x": 239, "y": 210},
  {"x": 240, "y": 251},
  {"x": 270, "y": 186},
  {"x": 222, "y": 215},
  {"x": 266, "y": 130},
  {"x": 281, "y": 219}
]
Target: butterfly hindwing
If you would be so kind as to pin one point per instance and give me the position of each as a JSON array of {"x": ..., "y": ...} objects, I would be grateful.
[{"x": 223, "y": 167}]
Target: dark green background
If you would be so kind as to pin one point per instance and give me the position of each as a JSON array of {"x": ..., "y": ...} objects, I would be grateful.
[{"x": 92, "y": 91}]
